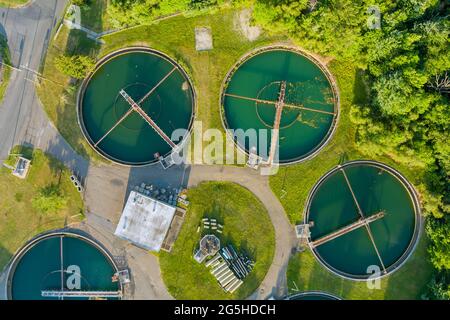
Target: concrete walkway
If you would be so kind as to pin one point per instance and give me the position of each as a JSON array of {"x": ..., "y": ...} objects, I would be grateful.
[
  {"x": 23, "y": 121},
  {"x": 28, "y": 32},
  {"x": 274, "y": 283}
]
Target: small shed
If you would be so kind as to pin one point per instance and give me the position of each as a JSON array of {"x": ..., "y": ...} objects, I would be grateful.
[{"x": 21, "y": 168}]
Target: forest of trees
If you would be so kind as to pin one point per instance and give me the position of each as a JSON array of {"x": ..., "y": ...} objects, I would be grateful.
[
  {"x": 77, "y": 66},
  {"x": 406, "y": 65},
  {"x": 125, "y": 13}
]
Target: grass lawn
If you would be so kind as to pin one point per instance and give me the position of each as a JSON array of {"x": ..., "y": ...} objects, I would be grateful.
[
  {"x": 13, "y": 3},
  {"x": 292, "y": 185},
  {"x": 305, "y": 273},
  {"x": 94, "y": 16},
  {"x": 175, "y": 37},
  {"x": 247, "y": 227},
  {"x": 19, "y": 221},
  {"x": 5, "y": 71}
]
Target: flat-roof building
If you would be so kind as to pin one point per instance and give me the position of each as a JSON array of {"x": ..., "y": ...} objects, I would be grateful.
[{"x": 145, "y": 221}]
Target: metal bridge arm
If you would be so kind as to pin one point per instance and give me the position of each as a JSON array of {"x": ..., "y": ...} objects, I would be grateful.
[
  {"x": 362, "y": 216},
  {"x": 346, "y": 229},
  {"x": 114, "y": 126},
  {"x": 156, "y": 86},
  {"x": 147, "y": 118}
]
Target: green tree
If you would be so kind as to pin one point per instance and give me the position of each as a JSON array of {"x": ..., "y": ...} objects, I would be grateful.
[
  {"x": 125, "y": 13},
  {"x": 438, "y": 290},
  {"x": 279, "y": 15},
  {"x": 81, "y": 3},
  {"x": 439, "y": 232},
  {"x": 202, "y": 4},
  {"x": 331, "y": 27},
  {"x": 49, "y": 200},
  {"x": 76, "y": 66}
]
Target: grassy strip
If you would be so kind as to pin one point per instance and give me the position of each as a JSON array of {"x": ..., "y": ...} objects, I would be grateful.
[
  {"x": 13, "y": 3},
  {"x": 5, "y": 70},
  {"x": 292, "y": 185},
  {"x": 244, "y": 219},
  {"x": 175, "y": 37},
  {"x": 58, "y": 93},
  {"x": 19, "y": 221},
  {"x": 305, "y": 273}
]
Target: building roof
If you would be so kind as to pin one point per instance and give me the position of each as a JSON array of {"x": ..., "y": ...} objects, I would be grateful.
[{"x": 145, "y": 221}]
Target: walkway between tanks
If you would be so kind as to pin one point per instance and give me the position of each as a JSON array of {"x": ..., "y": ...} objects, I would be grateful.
[{"x": 23, "y": 121}]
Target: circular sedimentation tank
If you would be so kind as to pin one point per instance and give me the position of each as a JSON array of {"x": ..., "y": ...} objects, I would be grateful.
[
  {"x": 313, "y": 295},
  {"x": 157, "y": 85},
  {"x": 264, "y": 79},
  {"x": 61, "y": 261},
  {"x": 364, "y": 218}
]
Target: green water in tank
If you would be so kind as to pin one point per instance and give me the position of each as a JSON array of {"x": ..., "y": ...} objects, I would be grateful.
[
  {"x": 301, "y": 131},
  {"x": 333, "y": 207},
  {"x": 170, "y": 106},
  {"x": 40, "y": 268}
]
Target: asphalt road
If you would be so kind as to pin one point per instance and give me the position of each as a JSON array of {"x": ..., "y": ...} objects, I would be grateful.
[
  {"x": 23, "y": 121},
  {"x": 28, "y": 31}
]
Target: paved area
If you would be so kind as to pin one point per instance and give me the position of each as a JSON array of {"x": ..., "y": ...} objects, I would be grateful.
[
  {"x": 203, "y": 39},
  {"x": 274, "y": 284},
  {"x": 90, "y": 34},
  {"x": 28, "y": 31},
  {"x": 242, "y": 23},
  {"x": 23, "y": 121}
]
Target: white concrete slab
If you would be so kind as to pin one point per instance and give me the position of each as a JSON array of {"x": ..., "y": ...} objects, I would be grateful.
[
  {"x": 145, "y": 221},
  {"x": 203, "y": 39}
]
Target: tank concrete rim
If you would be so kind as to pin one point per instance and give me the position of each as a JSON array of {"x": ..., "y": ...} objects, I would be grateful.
[
  {"x": 282, "y": 47},
  {"x": 51, "y": 234},
  {"x": 106, "y": 59},
  {"x": 418, "y": 225},
  {"x": 314, "y": 292}
]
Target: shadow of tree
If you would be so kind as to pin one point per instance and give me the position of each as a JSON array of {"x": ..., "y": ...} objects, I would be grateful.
[
  {"x": 59, "y": 94},
  {"x": 360, "y": 90}
]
